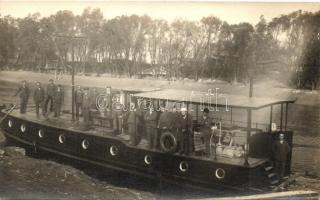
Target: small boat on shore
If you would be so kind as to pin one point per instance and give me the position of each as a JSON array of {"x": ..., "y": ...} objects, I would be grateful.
[{"x": 240, "y": 156}]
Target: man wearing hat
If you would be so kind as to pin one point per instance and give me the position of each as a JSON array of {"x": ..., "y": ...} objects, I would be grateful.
[
  {"x": 206, "y": 124},
  {"x": 133, "y": 122},
  {"x": 78, "y": 99},
  {"x": 58, "y": 100},
  {"x": 51, "y": 89},
  {"x": 280, "y": 149},
  {"x": 24, "y": 93},
  {"x": 186, "y": 134},
  {"x": 86, "y": 103},
  {"x": 38, "y": 97},
  {"x": 150, "y": 118}
]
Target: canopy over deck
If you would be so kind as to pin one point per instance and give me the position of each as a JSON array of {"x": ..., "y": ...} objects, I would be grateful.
[{"x": 219, "y": 99}]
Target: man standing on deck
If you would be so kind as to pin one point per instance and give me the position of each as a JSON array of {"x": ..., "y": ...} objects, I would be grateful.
[
  {"x": 280, "y": 149},
  {"x": 58, "y": 99},
  {"x": 86, "y": 104},
  {"x": 78, "y": 98},
  {"x": 206, "y": 124},
  {"x": 150, "y": 119},
  {"x": 51, "y": 89},
  {"x": 133, "y": 121},
  {"x": 117, "y": 116},
  {"x": 38, "y": 97},
  {"x": 175, "y": 117},
  {"x": 186, "y": 134},
  {"x": 24, "y": 93},
  {"x": 164, "y": 120}
]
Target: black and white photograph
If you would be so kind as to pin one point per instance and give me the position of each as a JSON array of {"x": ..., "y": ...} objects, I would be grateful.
[{"x": 163, "y": 100}]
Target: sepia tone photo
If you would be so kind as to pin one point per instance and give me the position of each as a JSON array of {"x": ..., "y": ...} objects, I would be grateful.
[{"x": 159, "y": 100}]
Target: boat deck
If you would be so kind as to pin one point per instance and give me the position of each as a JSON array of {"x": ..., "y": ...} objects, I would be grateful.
[{"x": 65, "y": 122}]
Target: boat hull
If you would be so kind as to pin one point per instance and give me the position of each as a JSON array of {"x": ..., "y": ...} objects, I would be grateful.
[{"x": 99, "y": 150}]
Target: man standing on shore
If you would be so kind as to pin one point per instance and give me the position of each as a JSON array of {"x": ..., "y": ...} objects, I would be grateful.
[
  {"x": 38, "y": 97},
  {"x": 280, "y": 149},
  {"x": 23, "y": 92},
  {"x": 51, "y": 89}
]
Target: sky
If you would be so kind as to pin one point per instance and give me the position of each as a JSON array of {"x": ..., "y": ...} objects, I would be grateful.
[{"x": 228, "y": 11}]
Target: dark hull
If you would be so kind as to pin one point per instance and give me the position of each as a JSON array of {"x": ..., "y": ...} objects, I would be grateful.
[{"x": 130, "y": 159}]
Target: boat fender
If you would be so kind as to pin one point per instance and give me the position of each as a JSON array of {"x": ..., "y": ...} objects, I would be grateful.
[
  {"x": 148, "y": 159},
  {"x": 220, "y": 173},
  {"x": 183, "y": 166},
  {"x": 173, "y": 142}
]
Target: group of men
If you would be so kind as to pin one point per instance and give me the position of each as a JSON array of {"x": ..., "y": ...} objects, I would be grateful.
[
  {"x": 53, "y": 95},
  {"x": 178, "y": 122}
]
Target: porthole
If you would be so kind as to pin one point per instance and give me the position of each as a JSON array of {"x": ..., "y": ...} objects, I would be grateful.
[
  {"x": 220, "y": 173},
  {"x": 85, "y": 144},
  {"x": 10, "y": 123},
  {"x": 114, "y": 150},
  {"x": 183, "y": 166},
  {"x": 23, "y": 128},
  {"x": 62, "y": 139},
  {"x": 147, "y": 159},
  {"x": 40, "y": 133}
]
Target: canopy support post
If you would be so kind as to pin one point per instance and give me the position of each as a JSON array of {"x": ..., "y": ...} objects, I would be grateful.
[
  {"x": 281, "y": 115},
  {"x": 249, "y": 118},
  {"x": 271, "y": 109},
  {"x": 286, "y": 121}
]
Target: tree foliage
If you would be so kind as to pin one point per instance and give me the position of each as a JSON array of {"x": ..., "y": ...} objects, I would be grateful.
[{"x": 126, "y": 45}]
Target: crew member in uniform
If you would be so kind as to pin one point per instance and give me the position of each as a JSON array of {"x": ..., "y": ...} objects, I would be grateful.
[
  {"x": 280, "y": 149},
  {"x": 78, "y": 101},
  {"x": 117, "y": 116},
  {"x": 86, "y": 104},
  {"x": 133, "y": 121},
  {"x": 186, "y": 134},
  {"x": 164, "y": 123},
  {"x": 38, "y": 97},
  {"x": 58, "y": 100},
  {"x": 206, "y": 124},
  {"x": 51, "y": 89},
  {"x": 24, "y": 93},
  {"x": 150, "y": 119},
  {"x": 175, "y": 123}
]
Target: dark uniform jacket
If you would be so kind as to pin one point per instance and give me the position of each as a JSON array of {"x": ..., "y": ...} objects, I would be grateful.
[
  {"x": 175, "y": 118},
  {"x": 186, "y": 122},
  {"x": 58, "y": 97},
  {"x": 151, "y": 119},
  {"x": 78, "y": 96},
  {"x": 164, "y": 120},
  {"x": 280, "y": 151},
  {"x": 51, "y": 89},
  {"x": 38, "y": 95},
  {"x": 86, "y": 101},
  {"x": 134, "y": 117},
  {"x": 206, "y": 124},
  {"x": 23, "y": 92}
]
